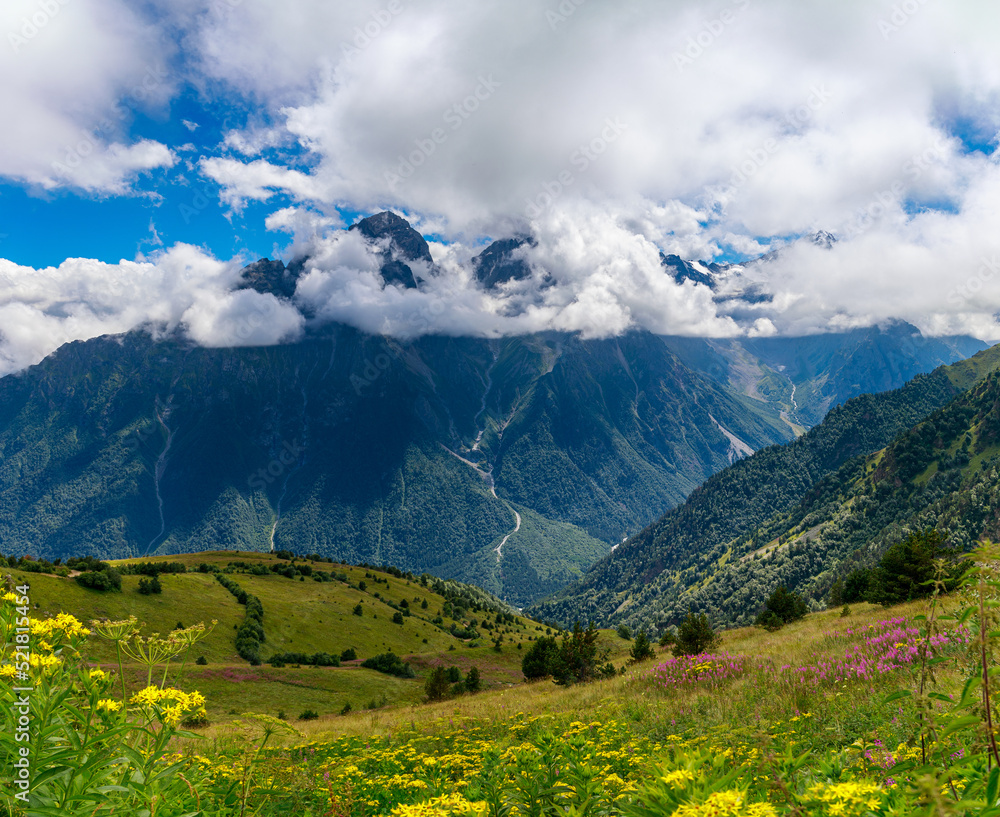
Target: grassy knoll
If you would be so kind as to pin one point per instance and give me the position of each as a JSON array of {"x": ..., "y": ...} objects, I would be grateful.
[{"x": 301, "y": 615}]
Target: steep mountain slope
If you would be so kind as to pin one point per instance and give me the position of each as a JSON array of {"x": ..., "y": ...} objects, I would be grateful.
[
  {"x": 940, "y": 474},
  {"x": 705, "y": 554},
  {"x": 360, "y": 447},
  {"x": 515, "y": 463},
  {"x": 814, "y": 374}
]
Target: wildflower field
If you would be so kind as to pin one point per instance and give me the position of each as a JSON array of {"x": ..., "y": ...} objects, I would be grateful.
[{"x": 880, "y": 712}]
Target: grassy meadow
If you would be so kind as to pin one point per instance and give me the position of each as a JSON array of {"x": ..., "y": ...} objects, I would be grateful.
[{"x": 868, "y": 711}]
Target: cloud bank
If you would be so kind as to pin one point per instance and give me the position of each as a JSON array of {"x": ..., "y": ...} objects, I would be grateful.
[{"x": 718, "y": 130}]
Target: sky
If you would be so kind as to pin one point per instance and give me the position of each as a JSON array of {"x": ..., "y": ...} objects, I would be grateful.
[{"x": 150, "y": 149}]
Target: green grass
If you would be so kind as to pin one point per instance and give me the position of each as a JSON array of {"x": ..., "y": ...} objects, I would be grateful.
[{"x": 299, "y": 616}]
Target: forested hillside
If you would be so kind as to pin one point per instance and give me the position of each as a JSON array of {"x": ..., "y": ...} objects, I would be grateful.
[{"x": 720, "y": 551}]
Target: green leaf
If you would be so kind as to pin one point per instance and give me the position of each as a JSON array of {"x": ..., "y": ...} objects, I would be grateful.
[
  {"x": 895, "y": 696},
  {"x": 992, "y": 785},
  {"x": 959, "y": 723}
]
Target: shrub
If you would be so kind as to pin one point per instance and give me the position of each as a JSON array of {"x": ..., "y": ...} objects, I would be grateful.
[
  {"x": 437, "y": 684},
  {"x": 148, "y": 586},
  {"x": 390, "y": 664},
  {"x": 358, "y": 609},
  {"x": 856, "y": 586},
  {"x": 781, "y": 608},
  {"x": 309, "y": 715},
  {"x": 200, "y": 661},
  {"x": 573, "y": 660},
  {"x": 346, "y": 709},
  {"x": 397, "y": 618},
  {"x": 906, "y": 569},
  {"x": 473, "y": 683},
  {"x": 349, "y": 654},
  {"x": 624, "y": 632},
  {"x": 695, "y": 635},
  {"x": 100, "y": 580},
  {"x": 454, "y": 675},
  {"x": 642, "y": 650}
]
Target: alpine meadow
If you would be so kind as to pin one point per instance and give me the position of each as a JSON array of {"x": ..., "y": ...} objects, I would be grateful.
[{"x": 561, "y": 409}]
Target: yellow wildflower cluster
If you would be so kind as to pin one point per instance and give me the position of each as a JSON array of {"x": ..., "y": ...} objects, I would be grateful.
[
  {"x": 58, "y": 627},
  {"x": 108, "y": 705},
  {"x": 449, "y": 804},
  {"x": 853, "y": 798},
  {"x": 726, "y": 804},
  {"x": 171, "y": 704},
  {"x": 44, "y": 664},
  {"x": 678, "y": 778}
]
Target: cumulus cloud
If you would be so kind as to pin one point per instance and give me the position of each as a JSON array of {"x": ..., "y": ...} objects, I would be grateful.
[
  {"x": 611, "y": 133},
  {"x": 74, "y": 76},
  {"x": 179, "y": 289},
  {"x": 726, "y": 127}
]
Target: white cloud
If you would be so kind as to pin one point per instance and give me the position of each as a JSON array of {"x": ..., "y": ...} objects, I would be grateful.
[
  {"x": 74, "y": 73},
  {"x": 741, "y": 123},
  {"x": 243, "y": 318},
  {"x": 611, "y": 133},
  {"x": 259, "y": 181},
  {"x": 181, "y": 288}
]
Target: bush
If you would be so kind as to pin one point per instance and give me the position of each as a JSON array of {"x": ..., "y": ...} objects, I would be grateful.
[
  {"x": 148, "y": 586},
  {"x": 473, "y": 683},
  {"x": 101, "y": 580},
  {"x": 390, "y": 664},
  {"x": 624, "y": 632},
  {"x": 346, "y": 709},
  {"x": 437, "y": 684},
  {"x": 573, "y": 660},
  {"x": 906, "y": 570},
  {"x": 781, "y": 608},
  {"x": 309, "y": 715},
  {"x": 695, "y": 635},
  {"x": 642, "y": 650},
  {"x": 358, "y": 610},
  {"x": 200, "y": 661},
  {"x": 397, "y": 618},
  {"x": 349, "y": 654},
  {"x": 856, "y": 586}
]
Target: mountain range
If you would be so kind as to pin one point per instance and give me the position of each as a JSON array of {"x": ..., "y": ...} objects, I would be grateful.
[
  {"x": 515, "y": 463},
  {"x": 803, "y": 515}
]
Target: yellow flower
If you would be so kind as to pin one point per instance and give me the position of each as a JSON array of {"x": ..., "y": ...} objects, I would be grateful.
[
  {"x": 98, "y": 675},
  {"x": 109, "y": 705},
  {"x": 852, "y": 798},
  {"x": 678, "y": 778},
  {"x": 726, "y": 804},
  {"x": 62, "y": 625},
  {"x": 8, "y": 671}
]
